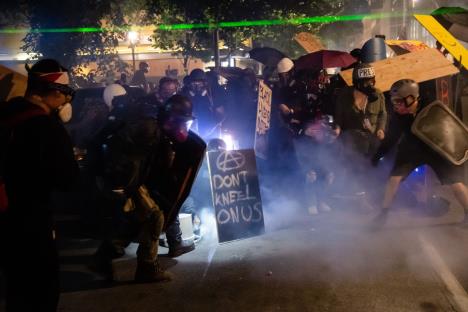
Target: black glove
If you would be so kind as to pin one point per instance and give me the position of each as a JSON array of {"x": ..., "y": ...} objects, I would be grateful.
[{"x": 375, "y": 160}]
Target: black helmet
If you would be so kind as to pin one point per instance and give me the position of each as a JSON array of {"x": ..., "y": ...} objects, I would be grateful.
[
  {"x": 178, "y": 107},
  {"x": 216, "y": 145},
  {"x": 143, "y": 65},
  {"x": 363, "y": 71},
  {"x": 197, "y": 74}
]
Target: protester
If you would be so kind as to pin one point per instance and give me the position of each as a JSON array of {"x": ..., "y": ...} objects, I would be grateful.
[
  {"x": 137, "y": 160},
  {"x": 241, "y": 115},
  {"x": 207, "y": 110},
  {"x": 316, "y": 151},
  {"x": 167, "y": 88},
  {"x": 38, "y": 160},
  {"x": 282, "y": 157},
  {"x": 139, "y": 78},
  {"x": 411, "y": 151},
  {"x": 180, "y": 158},
  {"x": 360, "y": 118}
]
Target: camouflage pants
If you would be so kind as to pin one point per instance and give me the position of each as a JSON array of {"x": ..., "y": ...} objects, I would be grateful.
[{"x": 142, "y": 220}]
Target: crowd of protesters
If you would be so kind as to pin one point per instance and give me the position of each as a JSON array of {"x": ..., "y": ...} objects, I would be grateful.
[{"x": 139, "y": 151}]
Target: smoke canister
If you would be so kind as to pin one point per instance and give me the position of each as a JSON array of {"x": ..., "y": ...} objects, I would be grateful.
[{"x": 186, "y": 227}]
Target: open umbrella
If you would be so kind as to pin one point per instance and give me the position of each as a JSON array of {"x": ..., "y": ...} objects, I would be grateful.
[
  {"x": 230, "y": 72},
  {"x": 267, "y": 56},
  {"x": 455, "y": 20},
  {"x": 324, "y": 59}
]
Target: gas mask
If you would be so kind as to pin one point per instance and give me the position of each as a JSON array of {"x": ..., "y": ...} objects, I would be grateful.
[
  {"x": 64, "y": 112},
  {"x": 178, "y": 130},
  {"x": 198, "y": 88},
  {"x": 367, "y": 87}
]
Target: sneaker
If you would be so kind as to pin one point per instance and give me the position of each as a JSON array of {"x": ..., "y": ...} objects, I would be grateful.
[
  {"x": 151, "y": 273},
  {"x": 197, "y": 238},
  {"x": 323, "y": 207},
  {"x": 180, "y": 248},
  {"x": 313, "y": 210}
]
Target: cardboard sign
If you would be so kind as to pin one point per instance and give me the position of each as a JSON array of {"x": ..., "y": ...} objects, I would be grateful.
[
  {"x": 236, "y": 194},
  {"x": 420, "y": 66},
  {"x": 443, "y": 90},
  {"x": 448, "y": 41},
  {"x": 309, "y": 42},
  {"x": 263, "y": 120},
  {"x": 406, "y": 46},
  {"x": 12, "y": 84}
]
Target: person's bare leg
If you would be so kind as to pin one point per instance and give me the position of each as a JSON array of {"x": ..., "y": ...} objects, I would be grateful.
[
  {"x": 461, "y": 194},
  {"x": 390, "y": 191}
]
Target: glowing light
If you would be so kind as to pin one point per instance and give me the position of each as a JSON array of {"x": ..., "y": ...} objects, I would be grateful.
[
  {"x": 256, "y": 23},
  {"x": 132, "y": 37},
  {"x": 230, "y": 143}
]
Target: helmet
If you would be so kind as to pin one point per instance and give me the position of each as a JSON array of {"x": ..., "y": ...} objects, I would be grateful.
[
  {"x": 363, "y": 71},
  {"x": 197, "y": 74},
  {"x": 178, "y": 107},
  {"x": 48, "y": 74},
  {"x": 112, "y": 91},
  {"x": 284, "y": 65},
  {"x": 403, "y": 94},
  {"x": 216, "y": 145},
  {"x": 404, "y": 88},
  {"x": 143, "y": 65}
]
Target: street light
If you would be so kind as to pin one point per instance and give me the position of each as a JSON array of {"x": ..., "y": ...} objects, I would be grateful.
[{"x": 132, "y": 37}]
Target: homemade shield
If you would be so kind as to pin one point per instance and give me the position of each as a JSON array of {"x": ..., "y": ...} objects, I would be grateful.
[
  {"x": 188, "y": 159},
  {"x": 441, "y": 130}
]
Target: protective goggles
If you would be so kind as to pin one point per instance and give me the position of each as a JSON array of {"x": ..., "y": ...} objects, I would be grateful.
[{"x": 406, "y": 101}]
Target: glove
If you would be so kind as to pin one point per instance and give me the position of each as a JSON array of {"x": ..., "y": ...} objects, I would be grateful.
[{"x": 375, "y": 160}]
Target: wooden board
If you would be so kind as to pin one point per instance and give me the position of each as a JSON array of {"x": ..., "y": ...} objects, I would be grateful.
[
  {"x": 309, "y": 42},
  {"x": 420, "y": 66},
  {"x": 406, "y": 46},
  {"x": 447, "y": 40},
  {"x": 12, "y": 84}
]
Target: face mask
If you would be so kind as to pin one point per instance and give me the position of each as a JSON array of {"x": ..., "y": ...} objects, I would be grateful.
[
  {"x": 178, "y": 130},
  {"x": 198, "y": 88},
  {"x": 65, "y": 112}
]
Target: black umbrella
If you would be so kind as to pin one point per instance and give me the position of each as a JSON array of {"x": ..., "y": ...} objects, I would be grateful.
[
  {"x": 454, "y": 19},
  {"x": 266, "y": 56}
]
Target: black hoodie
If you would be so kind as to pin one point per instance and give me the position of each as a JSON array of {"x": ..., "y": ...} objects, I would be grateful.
[{"x": 39, "y": 157}]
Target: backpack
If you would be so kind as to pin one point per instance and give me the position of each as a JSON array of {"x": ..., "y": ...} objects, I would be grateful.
[{"x": 6, "y": 138}]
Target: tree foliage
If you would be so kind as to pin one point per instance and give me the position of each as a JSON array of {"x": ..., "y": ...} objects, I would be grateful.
[
  {"x": 199, "y": 42},
  {"x": 76, "y": 49}
]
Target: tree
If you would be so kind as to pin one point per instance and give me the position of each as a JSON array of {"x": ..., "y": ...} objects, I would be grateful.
[
  {"x": 76, "y": 49},
  {"x": 198, "y": 42}
]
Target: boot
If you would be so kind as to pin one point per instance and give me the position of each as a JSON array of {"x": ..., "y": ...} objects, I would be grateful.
[
  {"x": 181, "y": 247},
  {"x": 151, "y": 273},
  {"x": 177, "y": 246}
]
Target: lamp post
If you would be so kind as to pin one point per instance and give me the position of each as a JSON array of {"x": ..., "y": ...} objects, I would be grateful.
[{"x": 133, "y": 39}]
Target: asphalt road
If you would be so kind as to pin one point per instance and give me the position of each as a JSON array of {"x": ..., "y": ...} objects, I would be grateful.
[{"x": 330, "y": 262}]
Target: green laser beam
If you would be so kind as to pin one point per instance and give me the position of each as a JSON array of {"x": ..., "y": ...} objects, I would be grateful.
[{"x": 256, "y": 23}]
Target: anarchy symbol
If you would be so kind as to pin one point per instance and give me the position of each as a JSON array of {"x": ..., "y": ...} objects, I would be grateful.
[{"x": 230, "y": 160}]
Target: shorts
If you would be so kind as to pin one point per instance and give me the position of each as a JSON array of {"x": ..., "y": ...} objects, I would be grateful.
[{"x": 408, "y": 159}]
